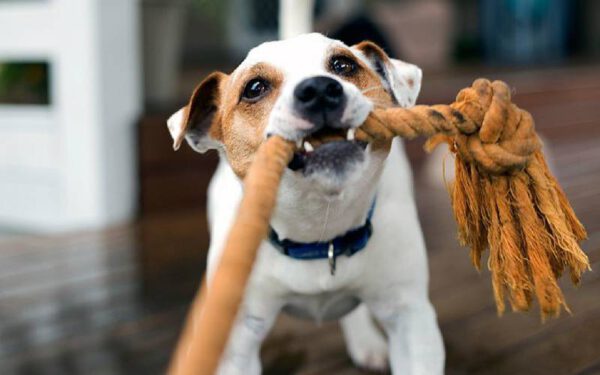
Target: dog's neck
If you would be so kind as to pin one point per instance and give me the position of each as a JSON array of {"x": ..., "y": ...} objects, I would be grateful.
[{"x": 308, "y": 211}]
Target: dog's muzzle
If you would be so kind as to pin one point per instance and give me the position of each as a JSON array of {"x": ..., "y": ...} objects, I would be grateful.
[{"x": 329, "y": 145}]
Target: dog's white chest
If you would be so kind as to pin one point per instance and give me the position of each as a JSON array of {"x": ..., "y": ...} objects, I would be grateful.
[{"x": 321, "y": 307}]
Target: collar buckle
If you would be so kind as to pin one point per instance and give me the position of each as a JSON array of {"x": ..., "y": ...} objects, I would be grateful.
[{"x": 331, "y": 257}]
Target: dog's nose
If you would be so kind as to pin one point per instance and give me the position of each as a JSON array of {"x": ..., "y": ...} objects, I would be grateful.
[{"x": 318, "y": 94}]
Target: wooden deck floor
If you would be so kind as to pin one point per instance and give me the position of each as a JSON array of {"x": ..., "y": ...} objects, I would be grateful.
[{"x": 112, "y": 302}]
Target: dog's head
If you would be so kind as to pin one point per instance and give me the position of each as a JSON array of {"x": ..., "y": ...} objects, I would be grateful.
[{"x": 309, "y": 89}]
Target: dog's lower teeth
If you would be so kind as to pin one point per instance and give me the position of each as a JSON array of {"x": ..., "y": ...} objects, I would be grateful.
[
  {"x": 308, "y": 147},
  {"x": 350, "y": 134}
]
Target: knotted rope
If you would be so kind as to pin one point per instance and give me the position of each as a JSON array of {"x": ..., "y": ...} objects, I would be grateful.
[{"x": 504, "y": 198}]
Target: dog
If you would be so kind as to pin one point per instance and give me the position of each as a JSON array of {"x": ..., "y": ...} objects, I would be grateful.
[{"x": 345, "y": 239}]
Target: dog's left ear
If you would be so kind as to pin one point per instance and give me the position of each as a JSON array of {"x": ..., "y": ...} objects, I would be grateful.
[
  {"x": 198, "y": 121},
  {"x": 401, "y": 80}
]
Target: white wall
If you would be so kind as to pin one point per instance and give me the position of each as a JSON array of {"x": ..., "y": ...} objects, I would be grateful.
[{"x": 72, "y": 165}]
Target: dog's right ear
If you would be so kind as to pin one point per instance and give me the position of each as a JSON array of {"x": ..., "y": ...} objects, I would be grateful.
[
  {"x": 198, "y": 121},
  {"x": 400, "y": 79}
]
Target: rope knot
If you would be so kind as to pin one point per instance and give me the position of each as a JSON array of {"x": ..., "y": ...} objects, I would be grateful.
[
  {"x": 483, "y": 126},
  {"x": 505, "y": 138}
]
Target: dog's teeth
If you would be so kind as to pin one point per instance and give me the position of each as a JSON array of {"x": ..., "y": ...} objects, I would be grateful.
[
  {"x": 299, "y": 143},
  {"x": 350, "y": 134},
  {"x": 308, "y": 147}
]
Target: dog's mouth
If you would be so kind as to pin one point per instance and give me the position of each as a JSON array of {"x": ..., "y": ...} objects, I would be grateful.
[{"x": 327, "y": 149}]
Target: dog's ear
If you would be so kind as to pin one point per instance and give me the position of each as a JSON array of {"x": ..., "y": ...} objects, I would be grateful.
[
  {"x": 401, "y": 80},
  {"x": 198, "y": 122}
]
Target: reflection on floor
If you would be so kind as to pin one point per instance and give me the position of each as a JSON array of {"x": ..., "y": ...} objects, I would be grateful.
[{"x": 112, "y": 302}]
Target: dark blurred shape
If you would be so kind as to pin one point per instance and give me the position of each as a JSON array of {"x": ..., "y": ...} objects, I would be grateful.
[
  {"x": 265, "y": 15},
  {"x": 24, "y": 82},
  {"x": 362, "y": 28},
  {"x": 525, "y": 31}
]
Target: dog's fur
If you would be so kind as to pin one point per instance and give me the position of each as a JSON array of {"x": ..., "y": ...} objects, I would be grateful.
[{"x": 389, "y": 277}]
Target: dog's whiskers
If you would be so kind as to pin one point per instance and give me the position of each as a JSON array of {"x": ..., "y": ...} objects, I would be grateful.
[
  {"x": 324, "y": 228},
  {"x": 368, "y": 89}
]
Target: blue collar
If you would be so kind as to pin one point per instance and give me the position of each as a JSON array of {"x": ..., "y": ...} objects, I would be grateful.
[{"x": 348, "y": 243}]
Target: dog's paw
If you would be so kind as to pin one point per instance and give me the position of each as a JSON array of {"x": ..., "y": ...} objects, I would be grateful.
[{"x": 369, "y": 351}]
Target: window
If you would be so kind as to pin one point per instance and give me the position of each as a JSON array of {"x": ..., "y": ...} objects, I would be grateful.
[{"x": 24, "y": 83}]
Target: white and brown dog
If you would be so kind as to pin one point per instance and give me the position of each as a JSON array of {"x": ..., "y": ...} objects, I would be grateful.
[{"x": 345, "y": 241}]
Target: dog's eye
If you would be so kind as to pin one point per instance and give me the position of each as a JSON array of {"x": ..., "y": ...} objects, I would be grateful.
[
  {"x": 255, "y": 89},
  {"x": 342, "y": 65}
]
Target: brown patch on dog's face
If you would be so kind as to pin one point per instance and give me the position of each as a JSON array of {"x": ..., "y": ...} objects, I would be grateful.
[
  {"x": 363, "y": 77},
  {"x": 367, "y": 81},
  {"x": 243, "y": 121}
]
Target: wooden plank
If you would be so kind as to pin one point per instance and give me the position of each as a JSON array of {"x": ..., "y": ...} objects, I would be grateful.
[
  {"x": 468, "y": 332},
  {"x": 564, "y": 350}
]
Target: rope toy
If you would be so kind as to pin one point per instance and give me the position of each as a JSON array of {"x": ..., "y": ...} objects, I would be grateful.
[{"x": 504, "y": 198}]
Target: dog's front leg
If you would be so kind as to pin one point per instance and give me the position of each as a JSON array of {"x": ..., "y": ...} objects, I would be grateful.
[
  {"x": 254, "y": 321},
  {"x": 415, "y": 341},
  {"x": 366, "y": 344}
]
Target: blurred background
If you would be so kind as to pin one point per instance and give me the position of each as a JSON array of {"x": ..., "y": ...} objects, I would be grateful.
[{"x": 102, "y": 226}]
